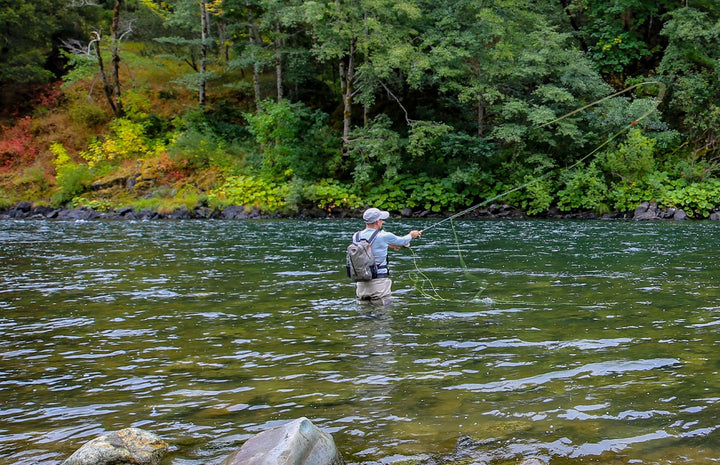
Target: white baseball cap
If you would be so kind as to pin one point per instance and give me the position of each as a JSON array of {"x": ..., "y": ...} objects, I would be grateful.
[{"x": 371, "y": 215}]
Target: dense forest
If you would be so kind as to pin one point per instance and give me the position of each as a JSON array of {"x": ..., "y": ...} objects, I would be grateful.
[{"x": 277, "y": 105}]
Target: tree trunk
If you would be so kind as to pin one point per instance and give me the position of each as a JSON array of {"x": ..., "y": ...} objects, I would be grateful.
[
  {"x": 204, "y": 37},
  {"x": 346, "y": 87},
  {"x": 480, "y": 119},
  {"x": 107, "y": 85},
  {"x": 278, "y": 61},
  {"x": 256, "y": 69},
  {"x": 115, "y": 32}
]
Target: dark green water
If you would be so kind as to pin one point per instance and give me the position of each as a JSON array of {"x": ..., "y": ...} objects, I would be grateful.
[{"x": 591, "y": 341}]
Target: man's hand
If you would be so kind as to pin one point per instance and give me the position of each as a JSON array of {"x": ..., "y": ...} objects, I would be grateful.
[{"x": 415, "y": 233}]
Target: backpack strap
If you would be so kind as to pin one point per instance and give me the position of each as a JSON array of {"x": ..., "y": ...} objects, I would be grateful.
[
  {"x": 374, "y": 235},
  {"x": 384, "y": 267},
  {"x": 356, "y": 237}
]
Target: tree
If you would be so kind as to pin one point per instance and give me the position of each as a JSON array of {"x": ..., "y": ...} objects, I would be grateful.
[
  {"x": 26, "y": 32},
  {"x": 622, "y": 36},
  {"x": 190, "y": 23},
  {"x": 365, "y": 38},
  {"x": 111, "y": 81},
  {"x": 692, "y": 64},
  {"x": 259, "y": 28}
]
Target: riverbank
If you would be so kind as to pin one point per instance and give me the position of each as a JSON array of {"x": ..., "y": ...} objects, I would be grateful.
[{"x": 28, "y": 211}]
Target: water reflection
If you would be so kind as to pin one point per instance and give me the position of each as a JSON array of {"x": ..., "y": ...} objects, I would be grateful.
[{"x": 590, "y": 340}]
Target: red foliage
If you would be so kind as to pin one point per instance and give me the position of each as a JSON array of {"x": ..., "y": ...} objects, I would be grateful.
[
  {"x": 172, "y": 170},
  {"x": 19, "y": 101},
  {"x": 47, "y": 96},
  {"x": 17, "y": 145}
]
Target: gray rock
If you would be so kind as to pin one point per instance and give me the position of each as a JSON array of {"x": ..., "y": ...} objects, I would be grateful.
[
  {"x": 298, "y": 442},
  {"x": 680, "y": 215},
  {"x": 81, "y": 213},
  {"x": 181, "y": 213},
  {"x": 129, "y": 446},
  {"x": 647, "y": 211},
  {"x": 235, "y": 212}
]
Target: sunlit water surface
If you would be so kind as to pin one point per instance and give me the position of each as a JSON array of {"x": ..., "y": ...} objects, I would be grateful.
[{"x": 568, "y": 341}]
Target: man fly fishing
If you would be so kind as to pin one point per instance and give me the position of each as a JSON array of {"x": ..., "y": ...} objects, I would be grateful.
[{"x": 367, "y": 257}]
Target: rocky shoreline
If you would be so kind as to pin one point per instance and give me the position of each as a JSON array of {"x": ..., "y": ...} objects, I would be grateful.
[
  {"x": 296, "y": 442},
  {"x": 28, "y": 211}
]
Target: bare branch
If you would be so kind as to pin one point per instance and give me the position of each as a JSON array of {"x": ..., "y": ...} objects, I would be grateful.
[
  {"x": 76, "y": 47},
  {"x": 129, "y": 30},
  {"x": 407, "y": 116},
  {"x": 80, "y": 3}
]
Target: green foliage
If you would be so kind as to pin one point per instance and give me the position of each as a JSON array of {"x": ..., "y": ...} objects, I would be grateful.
[
  {"x": 199, "y": 149},
  {"x": 416, "y": 191},
  {"x": 583, "y": 189},
  {"x": 329, "y": 193},
  {"x": 100, "y": 205},
  {"x": 697, "y": 199},
  {"x": 35, "y": 181},
  {"x": 460, "y": 101},
  {"x": 250, "y": 192},
  {"x": 28, "y": 26},
  {"x": 71, "y": 178},
  {"x": 540, "y": 195},
  {"x": 202, "y": 142},
  {"x": 691, "y": 63},
  {"x": 128, "y": 139},
  {"x": 88, "y": 113},
  {"x": 80, "y": 67},
  {"x": 5, "y": 200},
  {"x": 375, "y": 151},
  {"x": 164, "y": 200},
  {"x": 633, "y": 159},
  {"x": 294, "y": 140}
]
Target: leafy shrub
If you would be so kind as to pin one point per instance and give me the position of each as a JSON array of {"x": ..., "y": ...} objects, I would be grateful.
[
  {"x": 71, "y": 178},
  {"x": 128, "y": 139},
  {"x": 374, "y": 151},
  {"x": 695, "y": 198},
  {"x": 627, "y": 195},
  {"x": 250, "y": 192},
  {"x": 34, "y": 180},
  {"x": 295, "y": 140},
  {"x": 540, "y": 195},
  {"x": 5, "y": 200},
  {"x": 87, "y": 113},
  {"x": 633, "y": 159},
  {"x": 200, "y": 148},
  {"x": 585, "y": 189},
  {"x": 416, "y": 191},
  {"x": 329, "y": 193},
  {"x": 166, "y": 200},
  {"x": 101, "y": 205}
]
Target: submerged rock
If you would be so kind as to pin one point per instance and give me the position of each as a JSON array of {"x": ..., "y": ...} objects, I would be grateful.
[
  {"x": 129, "y": 446},
  {"x": 298, "y": 442}
]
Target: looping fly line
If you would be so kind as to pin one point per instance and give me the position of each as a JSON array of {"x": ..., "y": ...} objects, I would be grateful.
[{"x": 418, "y": 277}]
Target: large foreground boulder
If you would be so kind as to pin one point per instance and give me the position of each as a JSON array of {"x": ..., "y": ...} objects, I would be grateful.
[
  {"x": 298, "y": 442},
  {"x": 129, "y": 446}
]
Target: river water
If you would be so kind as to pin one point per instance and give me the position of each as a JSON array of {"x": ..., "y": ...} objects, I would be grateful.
[{"x": 574, "y": 342}]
